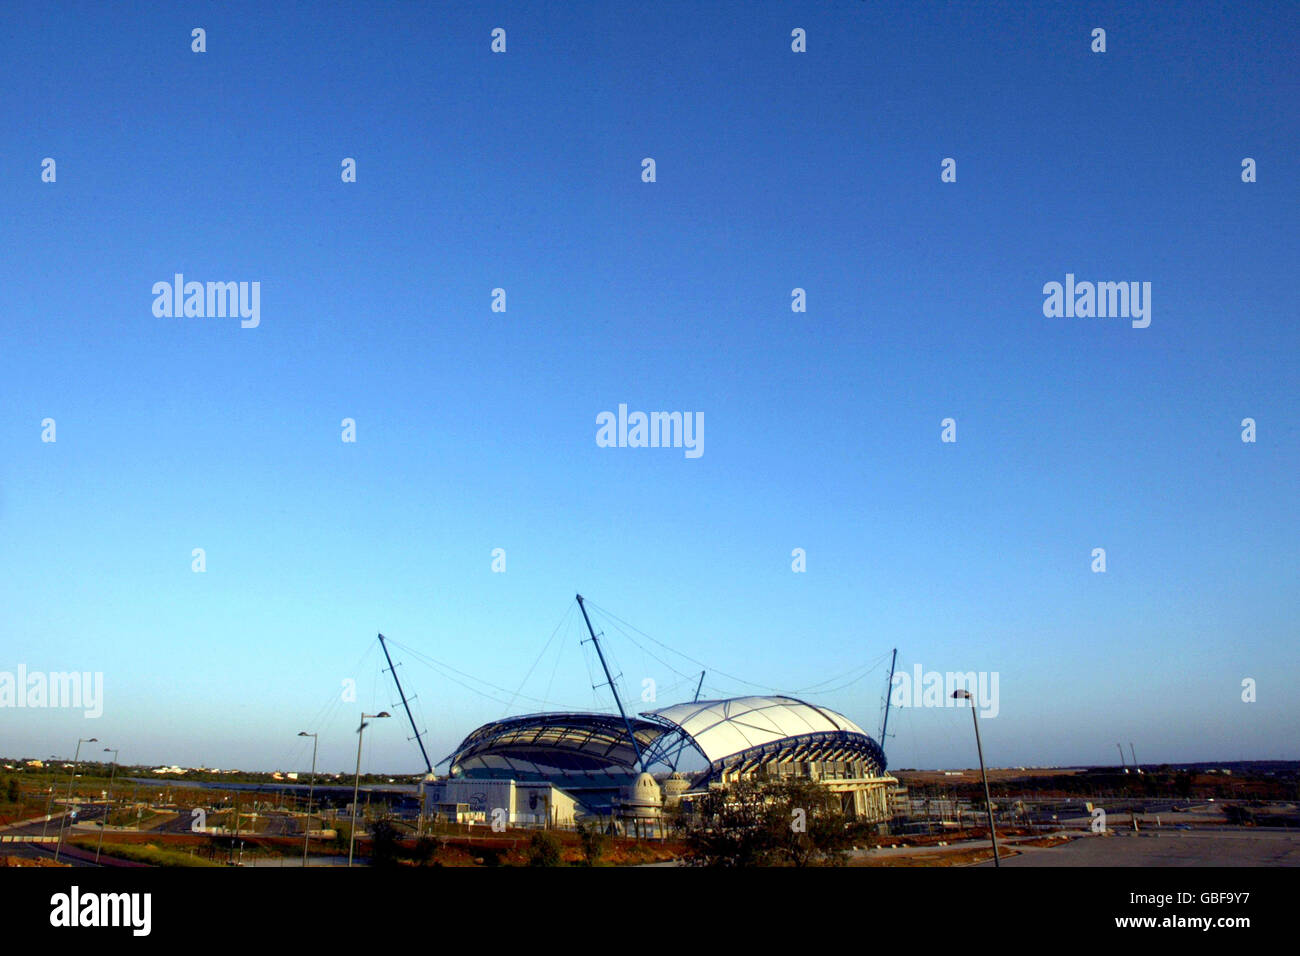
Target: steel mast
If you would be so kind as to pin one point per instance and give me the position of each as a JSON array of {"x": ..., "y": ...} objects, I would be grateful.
[
  {"x": 889, "y": 694},
  {"x": 400, "y": 693},
  {"x": 612, "y": 689}
]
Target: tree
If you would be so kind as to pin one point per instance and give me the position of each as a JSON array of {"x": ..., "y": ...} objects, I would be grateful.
[
  {"x": 342, "y": 835},
  {"x": 426, "y": 851},
  {"x": 731, "y": 826},
  {"x": 544, "y": 850},
  {"x": 593, "y": 842},
  {"x": 11, "y": 790},
  {"x": 794, "y": 822},
  {"x": 383, "y": 844}
]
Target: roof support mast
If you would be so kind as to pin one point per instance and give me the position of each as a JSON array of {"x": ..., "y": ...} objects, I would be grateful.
[
  {"x": 889, "y": 696},
  {"x": 400, "y": 693},
  {"x": 612, "y": 689}
]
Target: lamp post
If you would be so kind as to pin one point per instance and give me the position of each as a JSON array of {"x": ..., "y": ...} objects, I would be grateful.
[
  {"x": 76, "y": 757},
  {"x": 50, "y": 801},
  {"x": 356, "y": 782},
  {"x": 310, "y": 792},
  {"x": 988, "y": 802},
  {"x": 49, "y": 804},
  {"x": 108, "y": 809}
]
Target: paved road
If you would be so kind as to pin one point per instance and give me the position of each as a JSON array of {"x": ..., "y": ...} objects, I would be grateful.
[{"x": 1169, "y": 848}]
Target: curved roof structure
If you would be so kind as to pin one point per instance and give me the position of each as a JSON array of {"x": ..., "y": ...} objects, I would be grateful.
[
  {"x": 749, "y": 730},
  {"x": 732, "y": 733},
  {"x": 723, "y": 728},
  {"x": 540, "y": 746}
]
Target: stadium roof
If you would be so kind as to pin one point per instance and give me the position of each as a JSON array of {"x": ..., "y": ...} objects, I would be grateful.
[
  {"x": 542, "y": 745},
  {"x": 725, "y": 728},
  {"x": 740, "y": 732}
]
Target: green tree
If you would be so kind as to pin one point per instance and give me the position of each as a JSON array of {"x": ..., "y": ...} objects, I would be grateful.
[
  {"x": 593, "y": 842},
  {"x": 342, "y": 833},
  {"x": 731, "y": 826},
  {"x": 767, "y": 823},
  {"x": 426, "y": 851},
  {"x": 383, "y": 844},
  {"x": 544, "y": 850}
]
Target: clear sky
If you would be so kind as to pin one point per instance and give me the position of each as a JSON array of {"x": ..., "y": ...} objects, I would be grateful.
[{"x": 476, "y": 429}]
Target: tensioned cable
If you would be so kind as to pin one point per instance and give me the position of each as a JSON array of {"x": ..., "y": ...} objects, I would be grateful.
[
  {"x": 327, "y": 711},
  {"x": 865, "y": 668},
  {"x": 739, "y": 680},
  {"x": 645, "y": 651},
  {"x": 441, "y": 667},
  {"x": 568, "y": 611},
  {"x": 559, "y": 651},
  {"x": 867, "y": 671}
]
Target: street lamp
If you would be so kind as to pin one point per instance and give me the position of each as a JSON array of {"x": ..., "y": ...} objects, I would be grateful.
[
  {"x": 356, "y": 782},
  {"x": 108, "y": 809},
  {"x": 49, "y": 803},
  {"x": 76, "y": 757},
  {"x": 988, "y": 802},
  {"x": 315, "y": 739}
]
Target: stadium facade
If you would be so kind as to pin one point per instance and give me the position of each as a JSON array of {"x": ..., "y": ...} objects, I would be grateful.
[{"x": 557, "y": 768}]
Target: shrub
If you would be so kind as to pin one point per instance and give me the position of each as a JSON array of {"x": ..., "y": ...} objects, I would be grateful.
[{"x": 544, "y": 850}]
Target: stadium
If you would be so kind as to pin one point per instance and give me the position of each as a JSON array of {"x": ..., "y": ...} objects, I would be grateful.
[
  {"x": 555, "y": 769},
  {"x": 561, "y": 768}
]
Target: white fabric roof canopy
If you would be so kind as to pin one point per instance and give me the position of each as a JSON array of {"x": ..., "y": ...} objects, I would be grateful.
[{"x": 722, "y": 728}]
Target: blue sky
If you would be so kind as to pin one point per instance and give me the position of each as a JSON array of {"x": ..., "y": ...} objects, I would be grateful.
[{"x": 476, "y": 430}]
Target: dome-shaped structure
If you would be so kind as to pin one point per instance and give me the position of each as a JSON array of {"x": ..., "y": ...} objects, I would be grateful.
[
  {"x": 739, "y": 731},
  {"x": 642, "y": 799},
  {"x": 596, "y": 759},
  {"x": 674, "y": 787}
]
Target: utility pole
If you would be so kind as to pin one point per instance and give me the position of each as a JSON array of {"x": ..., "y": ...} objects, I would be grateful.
[
  {"x": 76, "y": 758},
  {"x": 988, "y": 800},
  {"x": 311, "y": 792},
  {"x": 103, "y": 824},
  {"x": 356, "y": 783}
]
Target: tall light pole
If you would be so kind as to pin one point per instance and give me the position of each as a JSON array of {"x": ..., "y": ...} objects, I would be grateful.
[
  {"x": 109, "y": 809},
  {"x": 311, "y": 791},
  {"x": 76, "y": 758},
  {"x": 988, "y": 801},
  {"x": 356, "y": 782},
  {"x": 49, "y": 804}
]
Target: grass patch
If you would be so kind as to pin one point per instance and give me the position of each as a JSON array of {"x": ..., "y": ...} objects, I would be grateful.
[{"x": 147, "y": 853}]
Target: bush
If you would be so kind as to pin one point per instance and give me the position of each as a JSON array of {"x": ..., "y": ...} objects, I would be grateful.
[
  {"x": 593, "y": 842},
  {"x": 383, "y": 844},
  {"x": 768, "y": 823},
  {"x": 426, "y": 851},
  {"x": 544, "y": 850}
]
